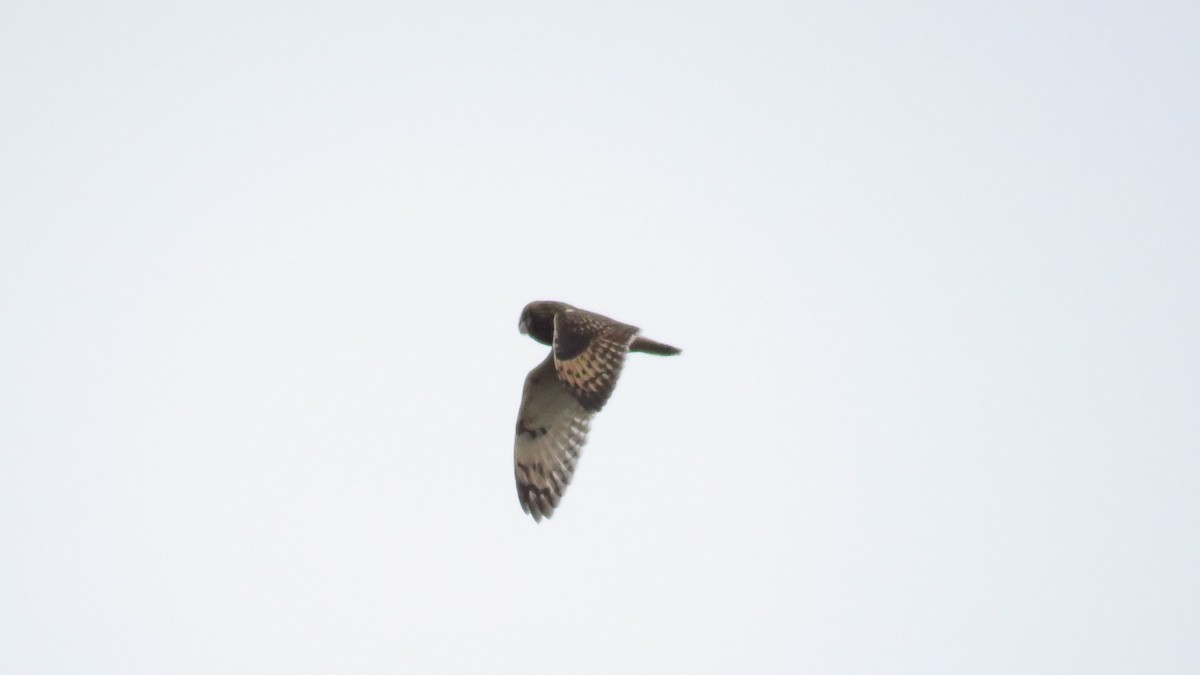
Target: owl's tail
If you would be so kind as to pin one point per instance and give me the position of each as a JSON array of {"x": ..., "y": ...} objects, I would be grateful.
[{"x": 641, "y": 344}]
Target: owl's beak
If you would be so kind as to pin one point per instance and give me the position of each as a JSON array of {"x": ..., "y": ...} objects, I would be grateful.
[{"x": 521, "y": 327}]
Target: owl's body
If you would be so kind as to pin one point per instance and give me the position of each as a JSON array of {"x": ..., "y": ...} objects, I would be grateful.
[{"x": 564, "y": 392}]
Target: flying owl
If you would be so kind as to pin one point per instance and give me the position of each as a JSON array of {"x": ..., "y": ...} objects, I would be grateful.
[{"x": 564, "y": 392}]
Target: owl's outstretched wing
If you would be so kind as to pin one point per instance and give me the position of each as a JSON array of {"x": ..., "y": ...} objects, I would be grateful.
[
  {"x": 552, "y": 427},
  {"x": 589, "y": 352}
]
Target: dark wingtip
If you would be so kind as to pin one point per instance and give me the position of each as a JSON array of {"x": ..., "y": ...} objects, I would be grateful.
[
  {"x": 537, "y": 503},
  {"x": 648, "y": 346}
]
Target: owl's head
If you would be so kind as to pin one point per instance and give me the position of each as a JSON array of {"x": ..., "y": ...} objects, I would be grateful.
[{"x": 537, "y": 319}]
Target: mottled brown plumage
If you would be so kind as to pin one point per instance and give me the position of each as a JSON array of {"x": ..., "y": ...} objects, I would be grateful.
[{"x": 564, "y": 392}]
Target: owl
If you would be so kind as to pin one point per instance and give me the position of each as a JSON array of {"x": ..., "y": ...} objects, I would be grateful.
[{"x": 564, "y": 392}]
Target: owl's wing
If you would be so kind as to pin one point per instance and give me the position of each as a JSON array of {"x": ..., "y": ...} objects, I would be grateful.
[
  {"x": 589, "y": 351},
  {"x": 551, "y": 429}
]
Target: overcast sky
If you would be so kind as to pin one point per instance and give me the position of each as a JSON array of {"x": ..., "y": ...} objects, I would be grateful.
[{"x": 934, "y": 269}]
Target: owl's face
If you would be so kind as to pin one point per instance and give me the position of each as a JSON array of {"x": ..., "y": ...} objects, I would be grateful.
[{"x": 537, "y": 320}]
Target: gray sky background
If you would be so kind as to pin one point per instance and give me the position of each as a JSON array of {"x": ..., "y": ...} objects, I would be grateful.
[{"x": 933, "y": 268}]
